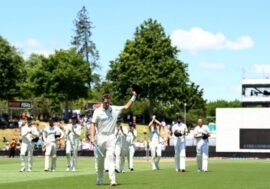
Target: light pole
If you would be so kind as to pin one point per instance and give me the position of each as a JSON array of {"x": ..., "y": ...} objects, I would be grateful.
[{"x": 185, "y": 113}]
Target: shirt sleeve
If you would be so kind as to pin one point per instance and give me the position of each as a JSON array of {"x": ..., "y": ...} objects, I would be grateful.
[
  {"x": 94, "y": 117},
  {"x": 44, "y": 135},
  {"x": 173, "y": 128},
  {"x": 35, "y": 132},
  {"x": 60, "y": 131},
  {"x": 23, "y": 131},
  {"x": 118, "y": 109},
  {"x": 135, "y": 133},
  {"x": 196, "y": 131},
  {"x": 186, "y": 130}
]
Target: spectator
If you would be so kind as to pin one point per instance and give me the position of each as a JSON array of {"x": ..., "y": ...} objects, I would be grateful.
[{"x": 12, "y": 147}]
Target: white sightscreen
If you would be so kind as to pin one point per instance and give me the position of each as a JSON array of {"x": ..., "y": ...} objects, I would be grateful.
[{"x": 254, "y": 124}]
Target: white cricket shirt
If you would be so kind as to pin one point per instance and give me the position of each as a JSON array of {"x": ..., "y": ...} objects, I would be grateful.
[
  {"x": 201, "y": 130},
  {"x": 105, "y": 120}
]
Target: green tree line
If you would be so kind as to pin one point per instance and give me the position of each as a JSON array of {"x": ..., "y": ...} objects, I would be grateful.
[{"x": 69, "y": 78}]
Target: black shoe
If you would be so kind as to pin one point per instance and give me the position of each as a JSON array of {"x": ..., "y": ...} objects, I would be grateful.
[
  {"x": 183, "y": 170},
  {"x": 131, "y": 169},
  {"x": 46, "y": 170},
  {"x": 106, "y": 171},
  {"x": 117, "y": 171}
]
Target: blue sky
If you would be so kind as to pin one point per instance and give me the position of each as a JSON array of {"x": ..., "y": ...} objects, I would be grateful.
[{"x": 221, "y": 41}]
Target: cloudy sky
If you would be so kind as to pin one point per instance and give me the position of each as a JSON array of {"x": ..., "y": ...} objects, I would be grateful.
[{"x": 221, "y": 41}]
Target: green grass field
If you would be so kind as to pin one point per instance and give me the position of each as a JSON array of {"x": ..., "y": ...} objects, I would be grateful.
[{"x": 231, "y": 174}]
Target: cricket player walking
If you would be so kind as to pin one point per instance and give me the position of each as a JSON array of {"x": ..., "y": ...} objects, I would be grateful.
[
  {"x": 179, "y": 131},
  {"x": 131, "y": 137},
  {"x": 73, "y": 134},
  {"x": 50, "y": 136},
  {"x": 201, "y": 133},
  {"x": 104, "y": 120},
  {"x": 121, "y": 149},
  {"x": 28, "y": 133},
  {"x": 155, "y": 142}
]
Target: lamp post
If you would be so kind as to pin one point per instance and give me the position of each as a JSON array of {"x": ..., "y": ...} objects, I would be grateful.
[{"x": 185, "y": 113}]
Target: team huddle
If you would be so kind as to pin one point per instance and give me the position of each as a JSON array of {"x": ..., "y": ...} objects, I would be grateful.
[{"x": 112, "y": 142}]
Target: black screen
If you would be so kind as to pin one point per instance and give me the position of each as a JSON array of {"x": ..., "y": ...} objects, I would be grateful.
[{"x": 254, "y": 138}]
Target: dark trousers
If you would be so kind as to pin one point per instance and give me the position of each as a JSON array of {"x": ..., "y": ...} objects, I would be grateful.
[{"x": 11, "y": 152}]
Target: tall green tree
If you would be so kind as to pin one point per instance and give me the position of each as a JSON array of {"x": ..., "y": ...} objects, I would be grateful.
[
  {"x": 150, "y": 61},
  {"x": 61, "y": 77},
  {"x": 82, "y": 39},
  {"x": 11, "y": 70},
  {"x": 211, "y": 106}
]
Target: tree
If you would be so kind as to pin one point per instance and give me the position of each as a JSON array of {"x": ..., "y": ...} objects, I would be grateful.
[
  {"x": 211, "y": 106},
  {"x": 82, "y": 39},
  {"x": 150, "y": 61},
  {"x": 61, "y": 77},
  {"x": 11, "y": 69},
  {"x": 194, "y": 97}
]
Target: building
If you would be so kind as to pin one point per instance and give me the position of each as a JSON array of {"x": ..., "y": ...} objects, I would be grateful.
[{"x": 255, "y": 92}]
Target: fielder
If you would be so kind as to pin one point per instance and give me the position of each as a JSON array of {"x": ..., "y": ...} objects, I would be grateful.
[
  {"x": 120, "y": 148},
  {"x": 131, "y": 137},
  {"x": 73, "y": 135},
  {"x": 179, "y": 131},
  {"x": 201, "y": 133},
  {"x": 28, "y": 133},
  {"x": 155, "y": 142},
  {"x": 50, "y": 136},
  {"x": 104, "y": 120}
]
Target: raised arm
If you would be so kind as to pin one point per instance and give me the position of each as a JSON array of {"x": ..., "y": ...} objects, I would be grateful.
[
  {"x": 151, "y": 123},
  {"x": 129, "y": 103},
  {"x": 158, "y": 122}
]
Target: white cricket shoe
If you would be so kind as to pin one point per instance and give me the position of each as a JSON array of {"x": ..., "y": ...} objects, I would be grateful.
[
  {"x": 22, "y": 169},
  {"x": 113, "y": 183},
  {"x": 29, "y": 170}
]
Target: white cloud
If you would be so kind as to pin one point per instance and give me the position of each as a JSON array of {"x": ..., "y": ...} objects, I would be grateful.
[
  {"x": 212, "y": 66},
  {"x": 197, "y": 39},
  {"x": 31, "y": 45}
]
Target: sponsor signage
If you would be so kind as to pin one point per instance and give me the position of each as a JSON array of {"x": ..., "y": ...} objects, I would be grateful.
[{"x": 19, "y": 105}]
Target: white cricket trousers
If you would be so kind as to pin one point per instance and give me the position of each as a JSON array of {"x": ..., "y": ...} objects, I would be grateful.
[
  {"x": 29, "y": 148},
  {"x": 120, "y": 154},
  {"x": 180, "y": 154},
  {"x": 50, "y": 153},
  {"x": 131, "y": 152},
  {"x": 106, "y": 144},
  {"x": 155, "y": 154},
  {"x": 202, "y": 150},
  {"x": 72, "y": 158}
]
